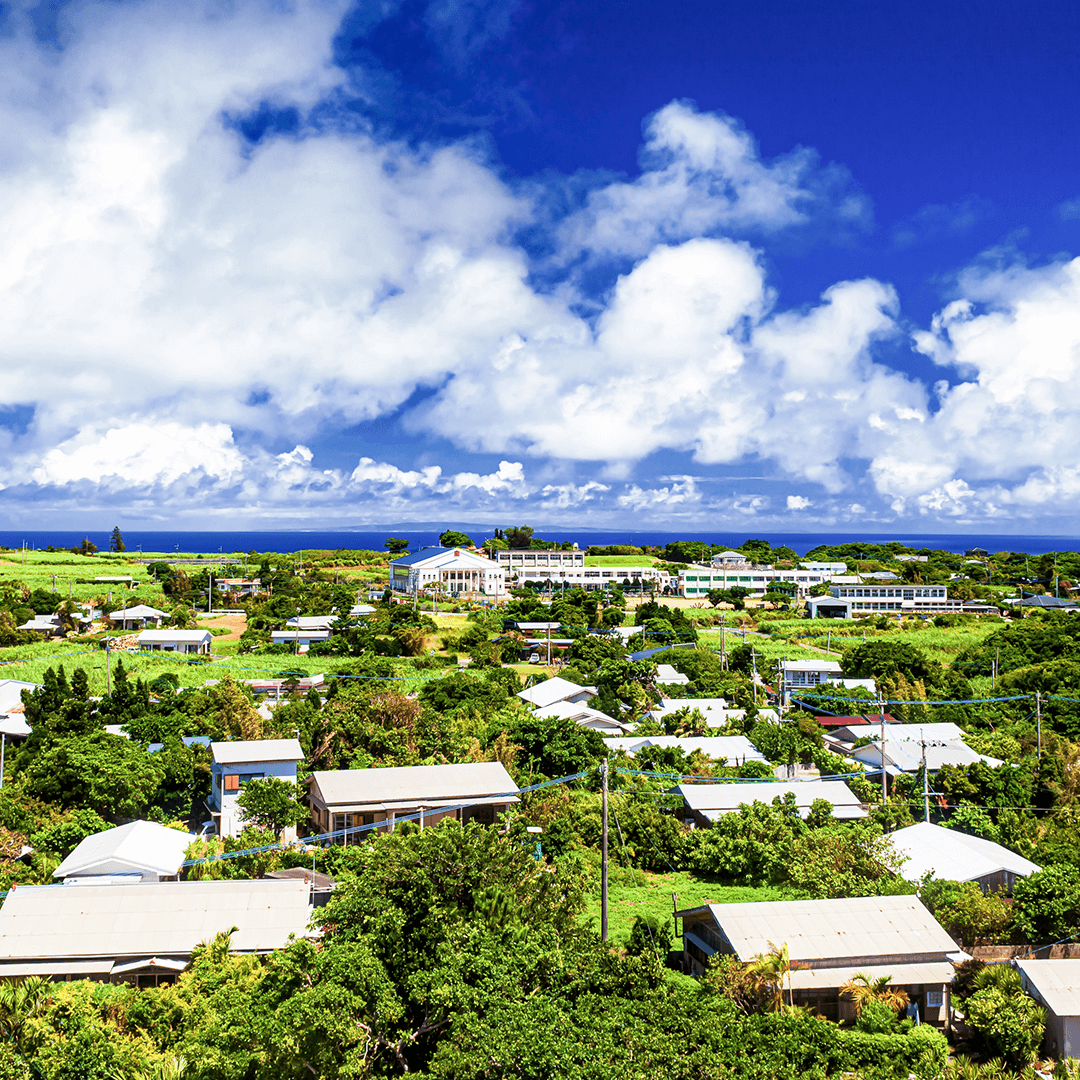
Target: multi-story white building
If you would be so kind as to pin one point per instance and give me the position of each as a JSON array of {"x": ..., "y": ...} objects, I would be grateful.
[
  {"x": 567, "y": 569},
  {"x": 454, "y": 570},
  {"x": 237, "y": 763},
  {"x": 696, "y": 580},
  {"x": 849, "y": 601}
]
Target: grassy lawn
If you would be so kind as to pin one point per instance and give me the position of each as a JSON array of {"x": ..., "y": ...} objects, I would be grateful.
[
  {"x": 653, "y": 897},
  {"x": 620, "y": 560}
]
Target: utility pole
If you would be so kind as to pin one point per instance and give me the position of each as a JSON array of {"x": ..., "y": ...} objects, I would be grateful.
[
  {"x": 603, "y": 853},
  {"x": 108, "y": 667},
  {"x": 210, "y": 593},
  {"x": 925, "y": 783},
  {"x": 1038, "y": 721},
  {"x": 884, "y": 774},
  {"x": 723, "y": 642}
]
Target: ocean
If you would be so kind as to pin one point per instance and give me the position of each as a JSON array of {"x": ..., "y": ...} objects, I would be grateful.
[{"x": 226, "y": 541}]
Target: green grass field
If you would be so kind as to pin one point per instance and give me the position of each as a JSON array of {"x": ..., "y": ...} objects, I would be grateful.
[
  {"x": 620, "y": 560},
  {"x": 654, "y": 897}
]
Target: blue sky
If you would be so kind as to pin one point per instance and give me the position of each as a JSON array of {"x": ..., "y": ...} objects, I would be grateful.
[{"x": 611, "y": 264}]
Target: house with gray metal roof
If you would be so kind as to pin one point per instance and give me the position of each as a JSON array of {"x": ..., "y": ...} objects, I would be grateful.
[
  {"x": 707, "y": 802},
  {"x": 730, "y": 749},
  {"x": 138, "y": 617},
  {"x": 136, "y": 852},
  {"x": 144, "y": 934},
  {"x": 343, "y": 801},
  {"x": 238, "y": 763},
  {"x": 832, "y": 941},
  {"x": 555, "y": 689},
  {"x": 1055, "y": 984},
  {"x": 951, "y": 855},
  {"x": 584, "y": 716},
  {"x": 177, "y": 641}
]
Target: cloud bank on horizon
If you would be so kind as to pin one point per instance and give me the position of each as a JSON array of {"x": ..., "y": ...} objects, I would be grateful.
[{"x": 187, "y": 312}]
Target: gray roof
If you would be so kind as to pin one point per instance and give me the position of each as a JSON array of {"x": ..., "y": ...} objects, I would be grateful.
[
  {"x": 11, "y": 693},
  {"x": 1056, "y": 983},
  {"x": 954, "y": 856},
  {"x": 135, "y": 847},
  {"x": 932, "y": 973},
  {"x": 245, "y": 751},
  {"x": 55, "y": 922},
  {"x": 733, "y": 748},
  {"x": 139, "y": 611},
  {"x": 552, "y": 690},
  {"x": 415, "y": 786},
  {"x": 863, "y": 928},
  {"x": 715, "y": 799}
]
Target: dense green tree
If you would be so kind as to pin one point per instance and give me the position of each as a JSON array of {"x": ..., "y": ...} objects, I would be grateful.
[
  {"x": 272, "y": 803},
  {"x": 454, "y": 539},
  {"x": 116, "y": 541}
]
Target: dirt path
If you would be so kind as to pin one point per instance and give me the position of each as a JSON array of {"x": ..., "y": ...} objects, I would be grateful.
[{"x": 235, "y": 624}]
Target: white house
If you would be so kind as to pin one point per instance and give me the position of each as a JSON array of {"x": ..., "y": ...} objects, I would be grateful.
[
  {"x": 584, "y": 716},
  {"x": 727, "y": 749},
  {"x": 300, "y": 640},
  {"x": 951, "y": 855},
  {"x": 235, "y": 763},
  {"x": 730, "y": 558},
  {"x": 311, "y": 622},
  {"x": 906, "y": 755},
  {"x": 137, "y": 617},
  {"x": 707, "y": 802},
  {"x": 666, "y": 675},
  {"x": 178, "y": 641},
  {"x": 452, "y": 570},
  {"x": 137, "y": 852},
  {"x": 799, "y": 674},
  {"x": 714, "y": 710},
  {"x": 49, "y": 625},
  {"x": 555, "y": 689}
]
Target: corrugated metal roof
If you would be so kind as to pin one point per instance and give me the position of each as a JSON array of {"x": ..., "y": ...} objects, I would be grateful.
[
  {"x": 418, "y": 785},
  {"x": 252, "y": 751},
  {"x": 954, "y": 856},
  {"x": 733, "y": 748},
  {"x": 168, "y": 919},
  {"x": 1056, "y": 983},
  {"x": 810, "y": 665},
  {"x": 137, "y": 846},
  {"x": 824, "y": 930},
  {"x": 900, "y": 974},
  {"x": 582, "y": 714},
  {"x": 725, "y": 798},
  {"x": 139, "y": 611},
  {"x": 552, "y": 690}
]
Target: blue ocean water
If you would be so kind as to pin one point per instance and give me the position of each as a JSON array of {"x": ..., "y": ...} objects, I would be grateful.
[{"x": 225, "y": 541}]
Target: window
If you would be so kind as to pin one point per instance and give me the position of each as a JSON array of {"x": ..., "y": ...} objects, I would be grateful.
[{"x": 230, "y": 782}]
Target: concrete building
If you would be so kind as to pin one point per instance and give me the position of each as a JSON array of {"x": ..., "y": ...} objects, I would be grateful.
[
  {"x": 237, "y": 763},
  {"x": 852, "y": 600},
  {"x": 696, "y": 581},
  {"x": 450, "y": 571},
  {"x": 297, "y": 639},
  {"x": 951, "y": 855},
  {"x": 832, "y": 941},
  {"x": 568, "y": 569},
  {"x": 347, "y": 799},
  {"x": 144, "y": 934},
  {"x": 707, "y": 802},
  {"x": 800, "y": 674},
  {"x": 130, "y": 854},
  {"x": 176, "y": 641}
]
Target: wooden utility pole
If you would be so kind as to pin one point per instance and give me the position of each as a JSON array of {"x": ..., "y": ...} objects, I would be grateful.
[
  {"x": 1038, "y": 722},
  {"x": 603, "y": 854}
]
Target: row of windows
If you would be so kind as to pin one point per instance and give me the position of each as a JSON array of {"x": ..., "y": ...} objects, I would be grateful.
[
  {"x": 804, "y": 578},
  {"x": 906, "y": 594},
  {"x": 880, "y": 605}
]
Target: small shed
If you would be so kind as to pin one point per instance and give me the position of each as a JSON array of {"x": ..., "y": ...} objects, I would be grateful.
[
  {"x": 136, "y": 852},
  {"x": 951, "y": 855},
  {"x": 1055, "y": 984},
  {"x": 555, "y": 689}
]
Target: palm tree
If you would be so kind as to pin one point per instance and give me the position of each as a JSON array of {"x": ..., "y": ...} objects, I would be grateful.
[
  {"x": 861, "y": 988},
  {"x": 767, "y": 972},
  {"x": 20, "y": 1001},
  {"x": 174, "y": 1068}
]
